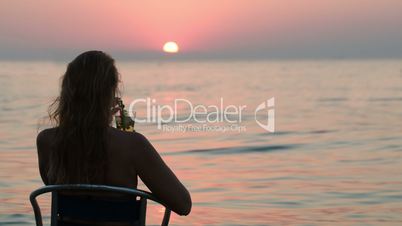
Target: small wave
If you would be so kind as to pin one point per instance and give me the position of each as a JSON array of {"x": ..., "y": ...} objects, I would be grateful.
[
  {"x": 277, "y": 133},
  {"x": 385, "y": 99},
  {"x": 16, "y": 219},
  {"x": 321, "y": 131},
  {"x": 237, "y": 150},
  {"x": 333, "y": 99}
]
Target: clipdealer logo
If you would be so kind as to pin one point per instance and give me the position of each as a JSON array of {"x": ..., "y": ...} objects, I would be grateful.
[
  {"x": 268, "y": 106},
  {"x": 205, "y": 117}
]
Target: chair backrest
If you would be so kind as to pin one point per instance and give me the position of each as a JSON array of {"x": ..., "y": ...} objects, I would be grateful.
[{"x": 85, "y": 204}]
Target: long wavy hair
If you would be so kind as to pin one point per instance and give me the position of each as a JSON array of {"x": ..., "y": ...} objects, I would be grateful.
[{"x": 82, "y": 114}]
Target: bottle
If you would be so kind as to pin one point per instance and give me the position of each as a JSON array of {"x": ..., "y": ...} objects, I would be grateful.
[{"x": 123, "y": 120}]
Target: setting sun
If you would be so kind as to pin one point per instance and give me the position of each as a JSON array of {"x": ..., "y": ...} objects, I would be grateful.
[{"x": 171, "y": 47}]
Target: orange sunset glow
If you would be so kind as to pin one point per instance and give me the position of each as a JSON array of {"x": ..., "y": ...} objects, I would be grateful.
[{"x": 255, "y": 27}]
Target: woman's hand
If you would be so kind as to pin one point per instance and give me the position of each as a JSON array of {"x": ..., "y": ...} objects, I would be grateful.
[{"x": 115, "y": 105}]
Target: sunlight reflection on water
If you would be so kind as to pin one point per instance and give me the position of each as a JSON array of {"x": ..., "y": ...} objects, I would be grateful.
[{"x": 335, "y": 158}]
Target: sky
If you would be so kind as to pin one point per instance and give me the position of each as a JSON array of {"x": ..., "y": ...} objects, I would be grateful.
[{"x": 204, "y": 28}]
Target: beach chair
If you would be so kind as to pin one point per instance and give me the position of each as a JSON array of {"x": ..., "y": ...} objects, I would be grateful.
[{"x": 84, "y": 204}]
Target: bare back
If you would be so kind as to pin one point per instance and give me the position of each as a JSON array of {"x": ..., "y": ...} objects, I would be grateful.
[{"x": 130, "y": 155}]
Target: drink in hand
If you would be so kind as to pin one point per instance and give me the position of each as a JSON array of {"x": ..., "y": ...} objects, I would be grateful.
[{"x": 123, "y": 120}]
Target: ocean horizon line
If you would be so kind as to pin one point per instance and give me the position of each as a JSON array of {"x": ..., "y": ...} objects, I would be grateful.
[{"x": 209, "y": 59}]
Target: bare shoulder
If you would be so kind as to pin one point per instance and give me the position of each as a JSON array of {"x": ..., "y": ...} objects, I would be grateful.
[
  {"x": 45, "y": 136},
  {"x": 130, "y": 140}
]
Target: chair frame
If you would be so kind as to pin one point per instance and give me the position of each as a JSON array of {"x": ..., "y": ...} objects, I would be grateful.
[{"x": 54, "y": 189}]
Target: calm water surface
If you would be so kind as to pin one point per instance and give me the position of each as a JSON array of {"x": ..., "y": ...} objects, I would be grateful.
[{"x": 335, "y": 158}]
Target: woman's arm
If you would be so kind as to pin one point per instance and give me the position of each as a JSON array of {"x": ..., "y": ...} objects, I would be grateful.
[{"x": 158, "y": 177}]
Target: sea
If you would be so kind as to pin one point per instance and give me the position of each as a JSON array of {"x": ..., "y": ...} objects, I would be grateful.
[{"x": 256, "y": 142}]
